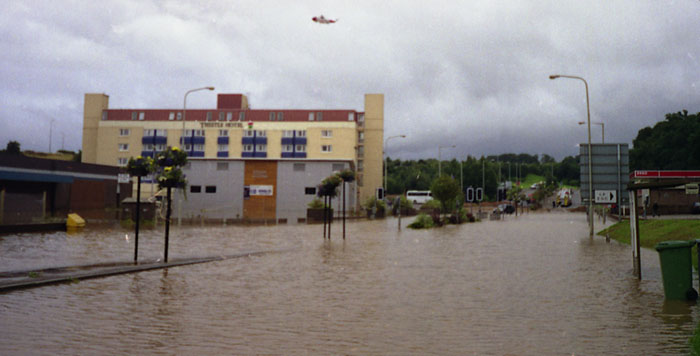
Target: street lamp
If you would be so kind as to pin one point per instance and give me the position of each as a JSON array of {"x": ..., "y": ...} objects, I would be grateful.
[
  {"x": 184, "y": 111},
  {"x": 385, "y": 162},
  {"x": 590, "y": 167},
  {"x": 50, "y": 133},
  {"x": 602, "y": 126},
  {"x": 440, "y": 158}
]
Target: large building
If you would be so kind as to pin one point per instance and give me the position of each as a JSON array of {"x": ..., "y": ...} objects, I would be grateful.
[{"x": 251, "y": 164}]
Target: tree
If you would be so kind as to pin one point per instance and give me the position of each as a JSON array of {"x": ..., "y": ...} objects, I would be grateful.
[
  {"x": 13, "y": 148},
  {"x": 670, "y": 144},
  {"x": 445, "y": 190}
]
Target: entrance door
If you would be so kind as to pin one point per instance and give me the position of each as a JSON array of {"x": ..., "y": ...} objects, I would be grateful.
[{"x": 260, "y": 200}]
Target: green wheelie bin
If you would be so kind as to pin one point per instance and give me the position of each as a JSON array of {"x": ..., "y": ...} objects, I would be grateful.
[{"x": 677, "y": 269}]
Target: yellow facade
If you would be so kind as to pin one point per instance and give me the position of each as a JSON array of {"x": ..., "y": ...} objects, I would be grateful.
[{"x": 113, "y": 142}]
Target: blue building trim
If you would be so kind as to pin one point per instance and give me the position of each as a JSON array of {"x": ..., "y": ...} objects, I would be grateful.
[
  {"x": 35, "y": 177},
  {"x": 222, "y": 140},
  {"x": 222, "y": 154}
]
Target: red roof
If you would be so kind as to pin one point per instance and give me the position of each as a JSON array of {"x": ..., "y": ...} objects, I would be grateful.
[{"x": 250, "y": 115}]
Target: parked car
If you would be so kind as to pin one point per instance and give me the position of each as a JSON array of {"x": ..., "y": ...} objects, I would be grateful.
[{"x": 695, "y": 209}]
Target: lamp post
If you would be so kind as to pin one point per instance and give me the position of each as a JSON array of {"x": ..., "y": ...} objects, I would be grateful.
[
  {"x": 50, "y": 133},
  {"x": 602, "y": 127},
  {"x": 590, "y": 168},
  {"x": 385, "y": 162},
  {"x": 440, "y": 158},
  {"x": 184, "y": 111}
]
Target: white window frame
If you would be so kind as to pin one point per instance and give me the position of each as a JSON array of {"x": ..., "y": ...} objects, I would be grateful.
[
  {"x": 311, "y": 116},
  {"x": 222, "y": 148},
  {"x": 198, "y": 147},
  {"x": 288, "y": 133},
  {"x": 171, "y": 116},
  {"x": 326, "y": 148},
  {"x": 287, "y": 148},
  {"x": 300, "y": 148},
  {"x": 124, "y": 132},
  {"x": 280, "y": 116},
  {"x": 326, "y": 133},
  {"x": 148, "y": 147},
  {"x": 260, "y": 133},
  {"x": 187, "y": 147},
  {"x": 123, "y": 147},
  {"x": 271, "y": 116},
  {"x": 179, "y": 116},
  {"x": 122, "y": 162},
  {"x": 199, "y": 132},
  {"x": 209, "y": 116},
  {"x": 222, "y": 116},
  {"x": 161, "y": 132},
  {"x": 223, "y": 133},
  {"x": 160, "y": 147},
  {"x": 301, "y": 133},
  {"x": 260, "y": 148},
  {"x": 241, "y": 116},
  {"x": 229, "y": 116},
  {"x": 149, "y": 132},
  {"x": 248, "y": 148},
  {"x": 142, "y": 116},
  {"x": 248, "y": 133},
  {"x": 351, "y": 116}
]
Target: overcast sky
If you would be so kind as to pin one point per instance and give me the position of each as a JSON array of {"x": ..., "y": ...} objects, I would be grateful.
[{"x": 469, "y": 73}]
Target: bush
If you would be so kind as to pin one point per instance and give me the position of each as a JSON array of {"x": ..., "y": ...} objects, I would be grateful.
[
  {"x": 406, "y": 206},
  {"x": 315, "y": 204},
  {"x": 422, "y": 221},
  {"x": 370, "y": 203}
]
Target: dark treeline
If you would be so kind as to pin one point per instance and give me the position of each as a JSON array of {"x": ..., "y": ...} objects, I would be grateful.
[
  {"x": 419, "y": 174},
  {"x": 672, "y": 144}
]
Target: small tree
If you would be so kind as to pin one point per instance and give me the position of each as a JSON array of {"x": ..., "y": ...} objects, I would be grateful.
[
  {"x": 13, "y": 148},
  {"x": 445, "y": 190}
]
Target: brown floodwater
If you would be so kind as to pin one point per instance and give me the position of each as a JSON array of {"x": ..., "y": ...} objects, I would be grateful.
[{"x": 531, "y": 285}]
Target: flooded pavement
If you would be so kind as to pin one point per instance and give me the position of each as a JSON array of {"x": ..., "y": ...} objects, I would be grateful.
[{"x": 531, "y": 285}]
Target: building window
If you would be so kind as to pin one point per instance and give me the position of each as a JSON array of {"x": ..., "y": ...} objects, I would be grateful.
[
  {"x": 148, "y": 147},
  {"x": 171, "y": 116},
  {"x": 179, "y": 116},
  {"x": 300, "y": 148},
  {"x": 249, "y": 133},
  {"x": 222, "y": 166},
  {"x": 337, "y": 167},
  {"x": 360, "y": 151},
  {"x": 142, "y": 116},
  {"x": 260, "y": 148},
  {"x": 222, "y": 116},
  {"x": 260, "y": 133},
  {"x": 241, "y": 116},
  {"x": 311, "y": 116},
  {"x": 361, "y": 118},
  {"x": 223, "y": 133},
  {"x": 301, "y": 133},
  {"x": 360, "y": 165},
  {"x": 210, "y": 189},
  {"x": 247, "y": 148},
  {"x": 223, "y": 148},
  {"x": 209, "y": 115},
  {"x": 229, "y": 116},
  {"x": 288, "y": 133},
  {"x": 149, "y": 132},
  {"x": 104, "y": 115},
  {"x": 123, "y": 147},
  {"x": 160, "y": 147},
  {"x": 121, "y": 162},
  {"x": 351, "y": 116},
  {"x": 124, "y": 132},
  {"x": 272, "y": 116},
  {"x": 299, "y": 167},
  {"x": 326, "y": 148},
  {"x": 134, "y": 115},
  {"x": 195, "y": 189},
  {"x": 199, "y": 132},
  {"x": 361, "y": 136},
  {"x": 326, "y": 133},
  {"x": 161, "y": 132},
  {"x": 319, "y": 116},
  {"x": 280, "y": 116},
  {"x": 287, "y": 148},
  {"x": 188, "y": 147},
  {"x": 310, "y": 190},
  {"x": 199, "y": 147}
]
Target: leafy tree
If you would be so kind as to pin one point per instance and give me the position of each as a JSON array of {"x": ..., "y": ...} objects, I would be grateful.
[
  {"x": 445, "y": 190},
  {"x": 13, "y": 148},
  {"x": 670, "y": 144}
]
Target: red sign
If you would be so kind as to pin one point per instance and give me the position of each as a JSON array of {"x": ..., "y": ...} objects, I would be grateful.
[{"x": 665, "y": 174}]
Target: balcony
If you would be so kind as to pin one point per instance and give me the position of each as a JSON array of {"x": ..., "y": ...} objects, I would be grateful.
[
  {"x": 248, "y": 140},
  {"x": 287, "y": 140},
  {"x": 222, "y": 140},
  {"x": 222, "y": 154}
]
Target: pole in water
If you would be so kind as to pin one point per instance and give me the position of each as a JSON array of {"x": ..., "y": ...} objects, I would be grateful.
[
  {"x": 167, "y": 226},
  {"x": 325, "y": 213},
  {"x": 343, "y": 210},
  {"x": 330, "y": 215},
  {"x": 138, "y": 218}
]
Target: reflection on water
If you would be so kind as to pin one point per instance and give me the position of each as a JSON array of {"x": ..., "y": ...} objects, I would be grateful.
[{"x": 531, "y": 285}]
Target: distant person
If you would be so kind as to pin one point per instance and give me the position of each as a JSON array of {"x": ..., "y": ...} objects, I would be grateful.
[{"x": 655, "y": 209}]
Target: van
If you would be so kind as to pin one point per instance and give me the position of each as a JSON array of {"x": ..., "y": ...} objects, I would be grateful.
[{"x": 419, "y": 196}]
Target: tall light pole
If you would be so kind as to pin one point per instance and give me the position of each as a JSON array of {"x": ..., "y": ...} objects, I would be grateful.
[
  {"x": 602, "y": 127},
  {"x": 50, "y": 133},
  {"x": 385, "y": 160},
  {"x": 184, "y": 111},
  {"x": 590, "y": 165},
  {"x": 440, "y": 158}
]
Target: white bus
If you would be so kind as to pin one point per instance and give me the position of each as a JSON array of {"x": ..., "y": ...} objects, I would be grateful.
[{"x": 419, "y": 196}]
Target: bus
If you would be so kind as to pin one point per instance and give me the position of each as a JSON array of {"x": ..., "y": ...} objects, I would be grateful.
[{"x": 419, "y": 196}]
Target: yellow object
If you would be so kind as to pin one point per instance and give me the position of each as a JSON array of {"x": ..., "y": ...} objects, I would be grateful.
[{"x": 74, "y": 221}]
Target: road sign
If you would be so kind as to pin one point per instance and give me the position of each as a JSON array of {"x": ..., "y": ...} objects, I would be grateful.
[
  {"x": 692, "y": 188},
  {"x": 123, "y": 178},
  {"x": 605, "y": 196}
]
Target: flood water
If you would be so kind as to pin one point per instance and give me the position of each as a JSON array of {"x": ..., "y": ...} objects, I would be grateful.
[{"x": 531, "y": 285}]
